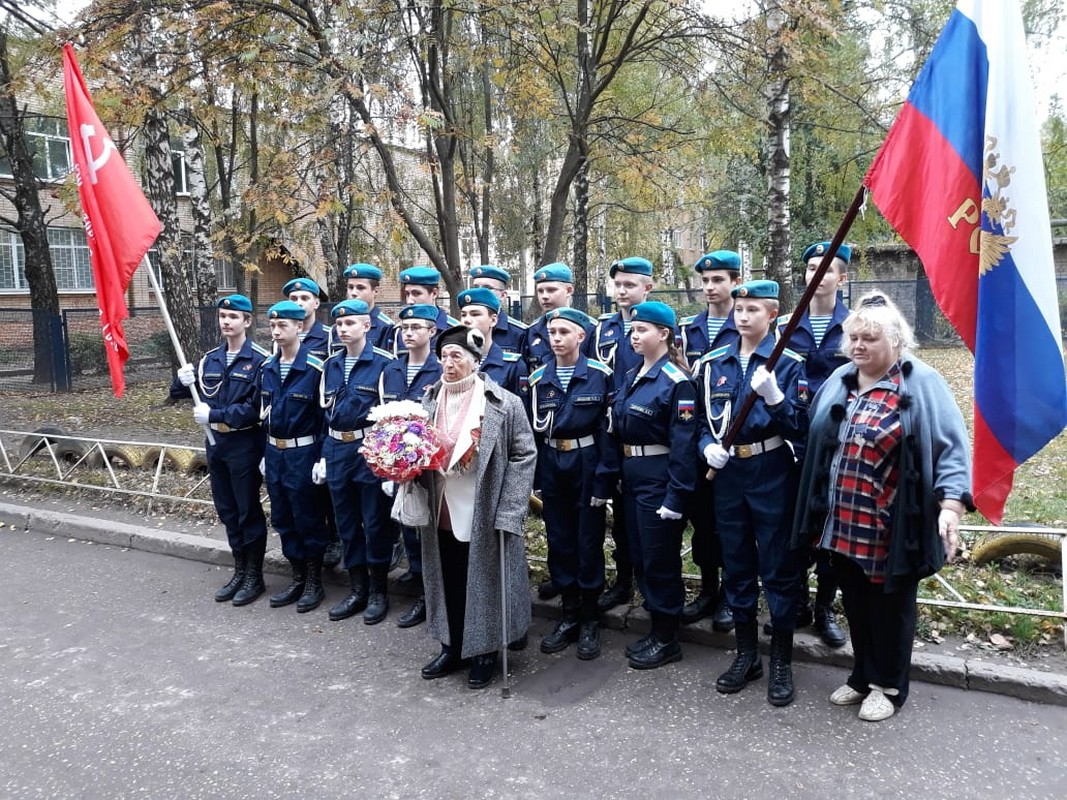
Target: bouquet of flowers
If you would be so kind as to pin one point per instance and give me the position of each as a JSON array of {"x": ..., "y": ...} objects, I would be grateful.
[{"x": 398, "y": 447}]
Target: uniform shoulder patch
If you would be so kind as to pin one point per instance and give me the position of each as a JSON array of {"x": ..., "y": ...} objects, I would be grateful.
[
  {"x": 687, "y": 320},
  {"x": 675, "y": 374},
  {"x": 271, "y": 358},
  {"x": 385, "y": 353},
  {"x": 384, "y": 318},
  {"x": 517, "y": 323},
  {"x": 783, "y": 320},
  {"x": 325, "y": 328},
  {"x": 718, "y": 352},
  {"x": 511, "y": 357},
  {"x": 537, "y": 375},
  {"x": 315, "y": 362},
  {"x": 260, "y": 349},
  {"x": 600, "y": 366},
  {"x": 452, "y": 321},
  {"x": 793, "y": 354},
  {"x": 604, "y": 317}
]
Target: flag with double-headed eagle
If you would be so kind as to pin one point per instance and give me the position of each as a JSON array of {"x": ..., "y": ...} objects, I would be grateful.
[{"x": 960, "y": 178}]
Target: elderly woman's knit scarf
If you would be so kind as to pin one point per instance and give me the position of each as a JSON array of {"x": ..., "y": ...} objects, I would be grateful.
[{"x": 452, "y": 406}]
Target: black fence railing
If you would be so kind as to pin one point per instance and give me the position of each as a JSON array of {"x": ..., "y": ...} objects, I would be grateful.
[{"x": 40, "y": 352}]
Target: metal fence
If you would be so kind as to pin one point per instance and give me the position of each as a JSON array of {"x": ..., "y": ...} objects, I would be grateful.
[{"x": 40, "y": 352}]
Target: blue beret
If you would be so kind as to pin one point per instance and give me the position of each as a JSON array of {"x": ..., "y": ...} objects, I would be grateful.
[
  {"x": 420, "y": 276},
  {"x": 419, "y": 311},
  {"x": 571, "y": 315},
  {"x": 758, "y": 290},
  {"x": 634, "y": 265},
  {"x": 557, "y": 271},
  {"x": 287, "y": 309},
  {"x": 301, "y": 285},
  {"x": 720, "y": 259},
  {"x": 363, "y": 271},
  {"x": 235, "y": 302},
  {"x": 844, "y": 252},
  {"x": 489, "y": 271},
  {"x": 655, "y": 312},
  {"x": 479, "y": 296},
  {"x": 349, "y": 308}
]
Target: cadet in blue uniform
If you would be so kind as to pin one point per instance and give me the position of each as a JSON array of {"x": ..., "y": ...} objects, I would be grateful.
[
  {"x": 720, "y": 272},
  {"x": 361, "y": 283},
  {"x": 632, "y": 280},
  {"x": 292, "y": 416},
  {"x": 508, "y": 333},
  {"x": 415, "y": 370},
  {"x": 755, "y": 487},
  {"x": 554, "y": 285},
  {"x": 478, "y": 308},
  {"x": 352, "y": 384},
  {"x": 421, "y": 286},
  {"x": 571, "y": 397},
  {"x": 317, "y": 338},
  {"x": 227, "y": 378},
  {"x": 654, "y": 422},
  {"x": 818, "y": 338}
]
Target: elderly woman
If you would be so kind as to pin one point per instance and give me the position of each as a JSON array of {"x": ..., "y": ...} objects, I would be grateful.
[
  {"x": 478, "y": 503},
  {"x": 885, "y": 479}
]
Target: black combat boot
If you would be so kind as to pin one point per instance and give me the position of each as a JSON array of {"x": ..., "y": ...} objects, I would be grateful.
[
  {"x": 825, "y": 623},
  {"x": 313, "y": 594},
  {"x": 334, "y": 551},
  {"x": 621, "y": 593},
  {"x": 378, "y": 602},
  {"x": 227, "y": 591},
  {"x": 780, "y": 679},
  {"x": 415, "y": 615},
  {"x": 722, "y": 620},
  {"x": 747, "y": 665},
  {"x": 357, "y": 600},
  {"x": 567, "y": 629},
  {"x": 589, "y": 632},
  {"x": 663, "y": 647},
  {"x": 252, "y": 586},
  {"x": 292, "y": 592}
]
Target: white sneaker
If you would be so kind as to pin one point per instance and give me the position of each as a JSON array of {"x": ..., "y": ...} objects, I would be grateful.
[
  {"x": 876, "y": 707},
  {"x": 846, "y": 696}
]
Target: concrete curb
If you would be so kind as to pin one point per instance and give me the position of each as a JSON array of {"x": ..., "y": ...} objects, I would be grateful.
[{"x": 973, "y": 674}]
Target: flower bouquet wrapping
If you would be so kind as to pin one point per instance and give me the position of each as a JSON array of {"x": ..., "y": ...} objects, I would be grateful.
[{"x": 398, "y": 447}]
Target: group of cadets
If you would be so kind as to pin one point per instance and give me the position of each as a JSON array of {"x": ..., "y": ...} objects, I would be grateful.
[{"x": 629, "y": 410}]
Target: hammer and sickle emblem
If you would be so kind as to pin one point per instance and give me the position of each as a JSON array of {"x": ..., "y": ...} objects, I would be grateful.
[{"x": 88, "y": 132}]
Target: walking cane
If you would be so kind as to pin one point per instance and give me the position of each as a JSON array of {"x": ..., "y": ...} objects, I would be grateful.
[{"x": 505, "y": 691}]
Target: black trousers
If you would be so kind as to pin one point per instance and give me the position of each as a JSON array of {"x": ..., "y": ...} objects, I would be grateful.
[
  {"x": 882, "y": 628},
  {"x": 455, "y": 556}
]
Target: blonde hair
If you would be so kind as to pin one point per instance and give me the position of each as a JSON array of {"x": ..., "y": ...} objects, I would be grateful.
[{"x": 877, "y": 314}]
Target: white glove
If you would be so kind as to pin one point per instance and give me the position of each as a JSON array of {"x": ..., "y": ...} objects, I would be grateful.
[
  {"x": 318, "y": 472},
  {"x": 186, "y": 375},
  {"x": 716, "y": 455},
  {"x": 263, "y": 467},
  {"x": 766, "y": 386},
  {"x": 665, "y": 513},
  {"x": 597, "y": 502},
  {"x": 201, "y": 413},
  {"x": 389, "y": 487}
]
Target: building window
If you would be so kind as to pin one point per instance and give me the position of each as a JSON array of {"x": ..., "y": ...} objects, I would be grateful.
[
  {"x": 70, "y": 261},
  {"x": 12, "y": 262},
  {"x": 48, "y": 143},
  {"x": 224, "y": 276},
  {"x": 177, "y": 160}
]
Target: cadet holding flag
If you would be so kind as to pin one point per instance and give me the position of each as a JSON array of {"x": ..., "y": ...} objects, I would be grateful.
[{"x": 228, "y": 381}]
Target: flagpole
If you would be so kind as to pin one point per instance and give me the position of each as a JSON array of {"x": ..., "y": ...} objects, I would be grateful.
[
  {"x": 794, "y": 318},
  {"x": 173, "y": 336}
]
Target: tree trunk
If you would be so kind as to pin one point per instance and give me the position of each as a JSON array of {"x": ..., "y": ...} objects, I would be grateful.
[
  {"x": 30, "y": 224},
  {"x": 779, "y": 262},
  {"x": 581, "y": 237},
  {"x": 207, "y": 284},
  {"x": 159, "y": 187}
]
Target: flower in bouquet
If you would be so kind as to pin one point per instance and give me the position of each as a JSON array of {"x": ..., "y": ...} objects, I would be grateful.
[{"x": 401, "y": 443}]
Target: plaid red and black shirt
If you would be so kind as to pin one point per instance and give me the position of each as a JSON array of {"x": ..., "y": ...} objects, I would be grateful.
[{"x": 864, "y": 481}]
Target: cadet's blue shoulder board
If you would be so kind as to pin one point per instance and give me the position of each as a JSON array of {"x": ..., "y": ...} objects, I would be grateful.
[
  {"x": 325, "y": 328},
  {"x": 537, "y": 375},
  {"x": 674, "y": 373},
  {"x": 383, "y": 317},
  {"x": 512, "y": 356},
  {"x": 783, "y": 320},
  {"x": 517, "y": 323},
  {"x": 271, "y": 358},
  {"x": 260, "y": 349},
  {"x": 315, "y": 361},
  {"x": 793, "y": 354},
  {"x": 688, "y": 320},
  {"x": 600, "y": 366},
  {"x": 385, "y": 353},
  {"x": 452, "y": 321},
  {"x": 609, "y": 315},
  {"x": 718, "y": 352}
]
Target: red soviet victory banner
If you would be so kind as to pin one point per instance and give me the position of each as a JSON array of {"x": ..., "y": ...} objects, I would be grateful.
[{"x": 120, "y": 225}]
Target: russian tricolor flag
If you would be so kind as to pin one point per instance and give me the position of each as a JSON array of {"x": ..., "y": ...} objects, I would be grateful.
[{"x": 960, "y": 178}]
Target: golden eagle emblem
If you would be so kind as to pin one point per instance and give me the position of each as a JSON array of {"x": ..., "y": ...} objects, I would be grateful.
[{"x": 994, "y": 239}]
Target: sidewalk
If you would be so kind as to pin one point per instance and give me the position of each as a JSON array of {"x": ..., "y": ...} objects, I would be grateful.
[{"x": 963, "y": 673}]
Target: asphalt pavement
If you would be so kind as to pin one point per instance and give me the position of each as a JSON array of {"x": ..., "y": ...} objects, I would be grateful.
[{"x": 120, "y": 677}]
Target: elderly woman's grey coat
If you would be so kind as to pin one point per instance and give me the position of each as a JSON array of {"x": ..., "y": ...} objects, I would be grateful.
[{"x": 507, "y": 456}]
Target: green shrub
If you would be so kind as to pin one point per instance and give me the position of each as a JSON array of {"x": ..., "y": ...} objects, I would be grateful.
[{"x": 87, "y": 353}]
